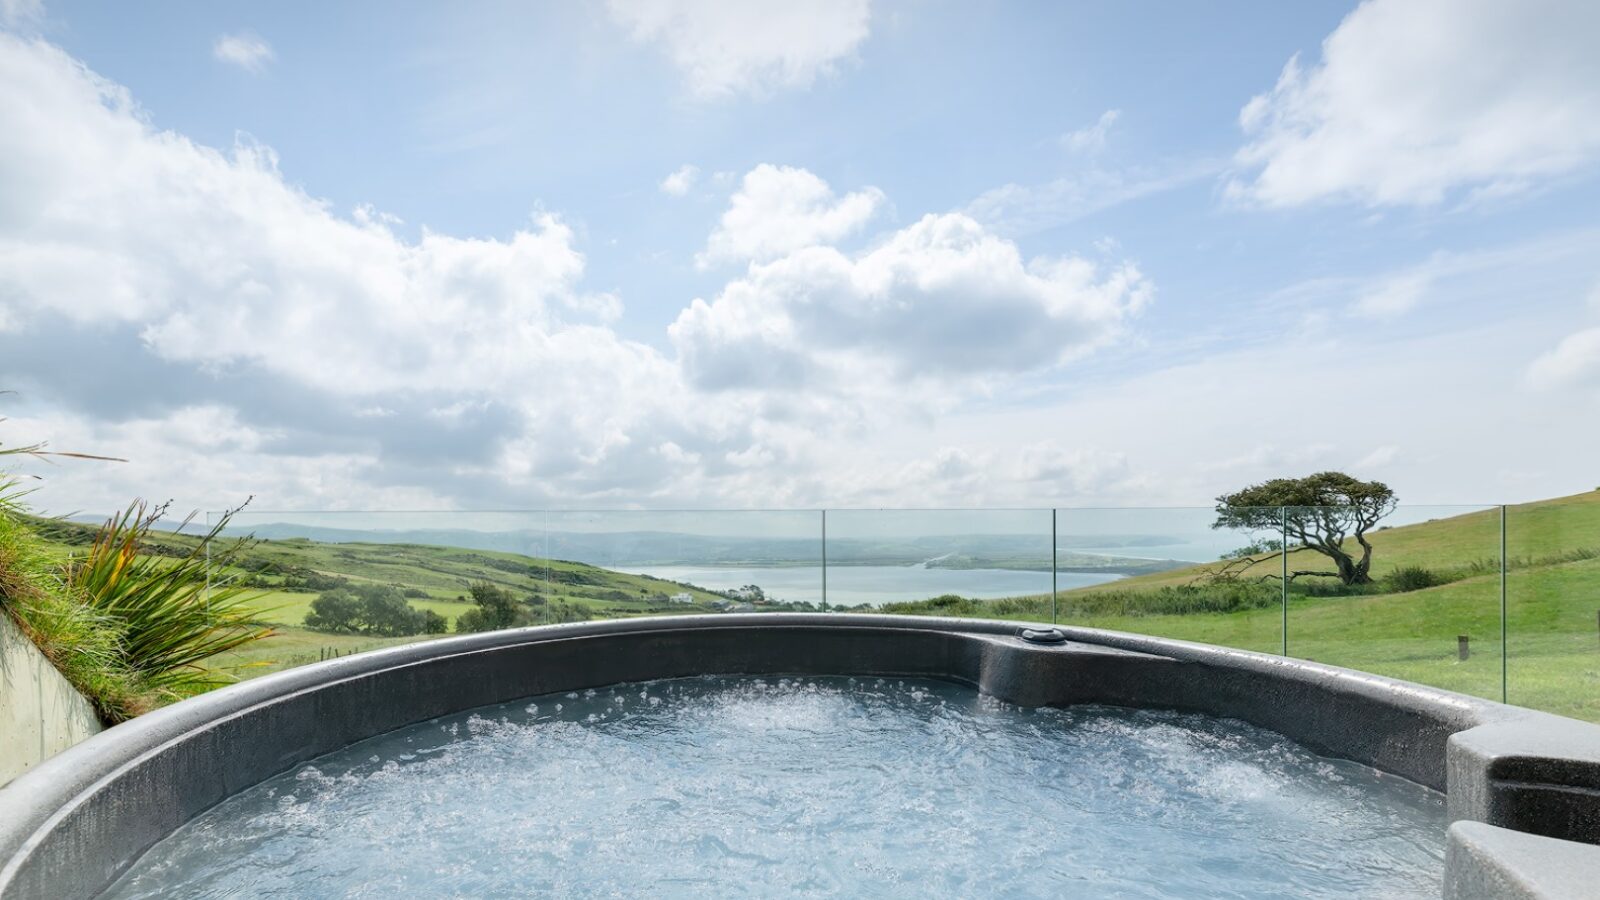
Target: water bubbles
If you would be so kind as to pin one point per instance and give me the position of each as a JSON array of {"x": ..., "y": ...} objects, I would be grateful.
[{"x": 890, "y": 786}]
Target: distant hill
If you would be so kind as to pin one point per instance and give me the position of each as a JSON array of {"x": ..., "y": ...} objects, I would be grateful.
[
  {"x": 660, "y": 548},
  {"x": 293, "y": 571}
]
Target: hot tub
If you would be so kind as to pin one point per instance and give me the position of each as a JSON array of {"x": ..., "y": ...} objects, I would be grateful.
[{"x": 1065, "y": 735}]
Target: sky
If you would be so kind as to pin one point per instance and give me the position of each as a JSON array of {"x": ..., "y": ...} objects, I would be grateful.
[{"x": 678, "y": 254}]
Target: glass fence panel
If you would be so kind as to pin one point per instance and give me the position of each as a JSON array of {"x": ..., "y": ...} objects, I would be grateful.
[
  {"x": 335, "y": 583},
  {"x": 611, "y": 564},
  {"x": 1553, "y": 605},
  {"x": 987, "y": 563},
  {"x": 1184, "y": 573},
  {"x": 1423, "y": 605},
  {"x": 1429, "y": 608}
]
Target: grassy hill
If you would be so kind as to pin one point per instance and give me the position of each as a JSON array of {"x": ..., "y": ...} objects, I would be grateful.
[
  {"x": 290, "y": 573},
  {"x": 1541, "y": 533},
  {"x": 1552, "y": 606},
  {"x": 1391, "y": 628}
]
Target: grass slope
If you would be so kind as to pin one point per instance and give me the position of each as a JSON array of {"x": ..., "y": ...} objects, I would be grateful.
[
  {"x": 1552, "y": 607},
  {"x": 1553, "y": 601},
  {"x": 442, "y": 574}
]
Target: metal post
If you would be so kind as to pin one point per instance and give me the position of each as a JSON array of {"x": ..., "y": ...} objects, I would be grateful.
[
  {"x": 1053, "y": 543},
  {"x": 824, "y": 560},
  {"x": 1504, "y": 647},
  {"x": 1283, "y": 580}
]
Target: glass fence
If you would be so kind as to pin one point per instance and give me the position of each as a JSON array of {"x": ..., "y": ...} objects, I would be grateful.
[{"x": 1497, "y": 602}]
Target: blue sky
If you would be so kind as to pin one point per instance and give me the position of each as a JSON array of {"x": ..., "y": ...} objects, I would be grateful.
[{"x": 916, "y": 253}]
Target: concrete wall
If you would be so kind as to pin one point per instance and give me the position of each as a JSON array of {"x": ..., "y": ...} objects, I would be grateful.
[{"x": 40, "y": 712}]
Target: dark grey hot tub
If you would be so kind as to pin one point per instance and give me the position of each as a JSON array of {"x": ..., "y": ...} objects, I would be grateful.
[{"x": 1523, "y": 788}]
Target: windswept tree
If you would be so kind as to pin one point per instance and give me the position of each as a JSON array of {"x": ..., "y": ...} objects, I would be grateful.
[{"x": 1318, "y": 513}]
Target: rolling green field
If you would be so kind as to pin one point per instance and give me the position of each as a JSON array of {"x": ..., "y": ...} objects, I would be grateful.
[
  {"x": 1552, "y": 601},
  {"x": 1552, "y": 607},
  {"x": 281, "y": 569}
]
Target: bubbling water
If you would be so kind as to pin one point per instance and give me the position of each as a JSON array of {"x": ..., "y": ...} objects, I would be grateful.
[{"x": 719, "y": 787}]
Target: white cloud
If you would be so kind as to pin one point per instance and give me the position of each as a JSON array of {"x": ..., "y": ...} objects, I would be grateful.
[
  {"x": 1031, "y": 475},
  {"x": 779, "y": 209},
  {"x": 942, "y": 301},
  {"x": 1395, "y": 295},
  {"x": 1456, "y": 286},
  {"x": 1575, "y": 362},
  {"x": 244, "y": 50},
  {"x": 1413, "y": 99},
  {"x": 230, "y": 264},
  {"x": 751, "y": 47},
  {"x": 213, "y": 457},
  {"x": 233, "y": 334},
  {"x": 21, "y": 13},
  {"x": 1091, "y": 138},
  {"x": 213, "y": 262},
  {"x": 1026, "y": 209},
  {"x": 1379, "y": 458},
  {"x": 680, "y": 181}
]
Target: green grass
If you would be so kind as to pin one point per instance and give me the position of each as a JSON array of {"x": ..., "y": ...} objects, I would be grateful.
[
  {"x": 1554, "y": 595},
  {"x": 443, "y": 574},
  {"x": 82, "y": 644},
  {"x": 1535, "y": 532},
  {"x": 130, "y": 625},
  {"x": 1552, "y": 605},
  {"x": 290, "y": 607},
  {"x": 289, "y": 647}
]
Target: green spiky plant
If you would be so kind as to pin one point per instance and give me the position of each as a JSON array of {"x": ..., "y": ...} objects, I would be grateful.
[
  {"x": 128, "y": 629},
  {"x": 82, "y": 644},
  {"x": 173, "y": 613}
]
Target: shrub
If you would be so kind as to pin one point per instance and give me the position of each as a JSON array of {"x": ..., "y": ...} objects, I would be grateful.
[
  {"x": 336, "y": 611},
  {"x": 301, "y": 578},
  {"x": 1218, "y": 596},
  {"x": 388, "y": 614},
  {"x": 377, "y": 609},
  {"x": 1307, "y": 587},
  {"x": 943, "y": 605},
  {"x": 433, "y": 623},
  {"x": 496, "y": 609},
  {"x": 171, "y": 614},
  {"x": 1413, "y": 578}
]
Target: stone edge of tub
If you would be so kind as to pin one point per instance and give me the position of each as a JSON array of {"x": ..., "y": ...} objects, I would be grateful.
[{"x": 1531, "y": 781}]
